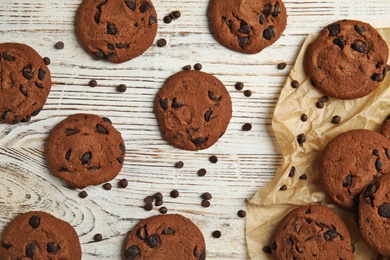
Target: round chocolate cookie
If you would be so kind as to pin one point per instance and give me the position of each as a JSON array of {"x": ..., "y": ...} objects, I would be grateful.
[
  {"x": 165, "y": 237},
  {"x": 39, "y": 235},
  {"x": 348, "y": 59},
  {"x": 247, "y": 26},
  {"x": 25, "y": 83},
  {"x": 312, "y": 232},
  {"x": 385, "y": 131},
  {"x": 116, "y": 30},
  {"x": 85, "y": 150},
  {"x": 193, "y": 109},
  {"x": 350, "y": 161},
  {"x": 374, "y": 215}
]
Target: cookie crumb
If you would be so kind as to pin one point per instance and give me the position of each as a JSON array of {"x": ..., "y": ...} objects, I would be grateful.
[
  {"x": 179, "y": 164},
  {"x": 294, "y": 84},
  {"x": 123, "y": 183},
  {"x": 282, "y": 66},
  {"x": 107, "y": 186},
  {"x": 174, "y": 194},
  {"x": 92, "y": 83},
  {"x": 217, "y": 234},
  {"x": 246, "y": 127},
  {"x": 213, "y": 159},
  {"x": 83, "y": 194},
  {"x": 202, "y": 172},
  {"x": 59, "y": 45},
  {"x": 239, "y": 85},
  {"x": 98, "y": 237},
  {"x": 241, "y": 213}
]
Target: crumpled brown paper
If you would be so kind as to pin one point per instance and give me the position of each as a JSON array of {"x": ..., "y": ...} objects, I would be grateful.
[{"x": 270, "y": 205}]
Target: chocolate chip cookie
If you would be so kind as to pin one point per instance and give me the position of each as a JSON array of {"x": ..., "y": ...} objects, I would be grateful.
[
  {"x": 374, "y": 215},
  {"x": 39, "y": 235},
  {"x": 116, "y": 30},
  {"x": 193, "y": 109},
  {"x": 385, "y": 131},
  {"x": 85, "y": 150},
  {"x": 165, "y": 237},
  {"x": 351, "y": 161},
  {"x": 348, "y": 60},
  {"x": 312, "y": 232},
  {"x": 247, "y": 26},
  {"x": 25, "y": 83}
]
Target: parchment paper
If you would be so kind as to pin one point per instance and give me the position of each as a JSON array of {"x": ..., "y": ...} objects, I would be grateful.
[{"x": 270, "y": 205}]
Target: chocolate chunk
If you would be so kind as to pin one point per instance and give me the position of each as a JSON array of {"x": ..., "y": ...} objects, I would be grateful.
[
  {"x": 34, "y": 221},
  {"x": 324, "y": 99},
  {"x": 23, "y": 90},
  {"x": 99, "y": 54},
  {"x": 207, "y": 115},
  {"x": 290, "y": 241},
  {"x": 339, "y": 42},
  {"x": 371, "y": 189},
  {"x": 375, "y": 152},
  {"x": 107, "y": 186},
  {"x": 347, "y": 181},
  {"x": 378, "y": 165},
  {"x": 132, "y": 252},
  {"x": 163, "y": 210},
  {"x": 39, "y": 85},
  {"x": 158, "y": 203},
  {"x": 130, "y": 4},
  {"x": 52, "y": 247},
  {"x": 106, "y": 119},
  {"x": 148, "y": 199},
  {"x": 299, "y": 250},
  {"x": 294, "y": 84},
  {"x": 213, "y": 97},
  {"x": 262, "y": 19},
  {"x": 63, "y": 169},
  {"x": 267, "y": 9},
  {"x": 71, "y": 131},
  {"x": 174, "y": 194},
  {"x": 243, "y": 41},
  {"x": 59, "y": 45},
  {"x": 101, "y": 129},
  {"x": 239, "y": 85},
  {"x": 86, "y": 157},
  {"x": 202, "y": 172},
  {"x": 217, "y": 234},
  {"x": 111, "y": 29},
  {"x": 158, "y": 196},
  {"x": 276, "y": 11},
  {"x": 179, "y": 164},
  {"x": 319, "y": 104},
  {"x": 301, "y": 138},
  {"x": 153, "y": 240},
  {"x": 269, "y": 33},
  {"x": 330, "y": 235},
  {"x": 246, "y": 127},
  {"x": 334, "y": 29},
  {"x": 122, "y": 45},
  {"x": 199, "y": 141},
  {"x": 164, "y": 103},
  {"x": 27, "y": 72},
  {"x": 359, "y": 29},
  {"x": 359, "y": 46},
  {"x": 336, "y": 119},
  {"x": 6, "y": 245},
  {"x": 176, "y": 104},
  {"x": 123, "y": 183},
  {"x": 99, "y": 6},
  {"x": 387, "y": 152},
  {"x": 168, "y": 231},
  {"x": 292, "y": 172},
  {"x": 142, "y": 233},
  {"x": 241, "y": 213},
  {"x": 83, "y": 194},
  {"x": 376, "y": 77},
  {"x": 30, "y": 250},
  {"x": 244, "y": 28},
  {"x": 384, "y": 210},
  {"x": 8, "y": 57},
  {"x": 145, "y": 7}
]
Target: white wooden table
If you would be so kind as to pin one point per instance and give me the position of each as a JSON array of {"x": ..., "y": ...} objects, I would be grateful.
[{"x": 247, "y": 160}]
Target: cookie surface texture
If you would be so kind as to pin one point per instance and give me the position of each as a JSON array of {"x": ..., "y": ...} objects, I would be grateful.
[
  {"x": 385, "y": 131},
  {"x": 193, "y": 109},
  {"x": 85, "y": 150},
  {"x": 312, "y": 232},
  {"x": 25, "y": 83},
  {"x": 39, "y": 235},
  {"x": 350, "y": 162},
  {"x": 165, "y": 237},
  {"x": 348, "y": 59},
  {"x": 247, "y": 26},
  {"x": 374, "y": 215},
  {"x": 116, "y": 30}
]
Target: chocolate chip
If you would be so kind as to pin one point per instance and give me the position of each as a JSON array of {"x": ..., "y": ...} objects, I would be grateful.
[
  {"x": 167, "y": 19},
  {"x": 269, "y": 33},
  {"x": 179, "y": 164},
  {"x": 71, "y": 131},
  {"x": 292, "y": 172},
  {"x": 324, "y": 99},
  {"x": 130, "y": 4},
  {"x": 333, "y": 29},
  {"x": 243, "y": 41},
  {"x": 387, "y": 152},
  {"x": 52, "y": 247},
  {"x": 303, "y": 177},
  {"x": 205, "y": 203},
  {"x": 67, "y": 155},
  {"x": 371, "y": 189},
  {"x": 142, "y": 233},
  {"x": 199, "y": 141},
  {"x": 283, "y": 187},
  {"x": 244, "y": 28},
  {"x": 239, "y": 85},
  {"x": 273, "y": 246},
  {"x": 59, "y": 45},
  {"x": 217, "y": 234},
  {"x": 267, "y": 250},
  {"x": 175, "y": 14},
  {"x": 163, "y": 210},
  {"x": 86, "y": 157},
  {"x": 158, "y": 196},
  {"x": 262, "y": 19},
  {"x": 97, "y": 15},
  {"x": 359, "y": 29},
  {"x": 123, "y": 183},
  {"x": 339, "y": 42},
  {"x": 304, "y": 117},
  {"x": 241, "y": 213},
  {"x": 121, "y": 88},
  {"x": 148, "y": 207},
  {"x": 98, "y": 237},
  {"x": 30, "y": 250},
  {"x": 8, "y": 57},
  {"x": 336, "y": 119},
  {"x": 246, "y": 127},
  {"x": 174, "y": 194},
  {"x": 4, "y": 115},
  {"x": 46, "y": 60},
  {"x": 158, "y": 203},
  {"x": 121, "y": 145},
  {"x": 384, "y": 210},
  {"x": 206, "y": 196},
  {"x": 107, "y": 186},
  {"x": 267, "y": 9},
  {"x": 132, "y": 252},
  {"x": 23, "y": 90},
  {"x": 187, "y": 67},
  {"x": 145, "y": 7},
  {"x": 83, "y": 194},
  {"x": 198, "y": 66},
  {"x": 202, "y": 172},
  {"x": 330, "y": 235},
  {"x": 319, "y": 104},
  {"x": 39, "y": 85},
  {"x": 376, "y": 77},
  {"x": 299, "y": 250},
  {"x": 27, "y": 72},
  {"x": 122, "y": 45},
  {"x": 99, "y": 54},
  {"x": 161, "y": 42},
  {"x": 164, "y": 103},
  {"x": 111, "y": 29},
  {"x": 6, "y": 245},
  {"x": 153, "y": 240},
  {"x": 213, "y": 159},
  {"x": 34, "y": 221},
  {"x": 148, "y": 199},
  {"x": 301, "y": 138},
  {"x": 359, "y": 46},
  {"x": 213, "y": 97},
  {"x": 347, "y": 181},
  {"x": 92, "y": 83},
  {"x": 247, "y": 93},
  {"x": 176, "y": 104},
  {"x": 101, "y": 129},
  {"x": 276, "y": 11},
  {"x": 294, "y": 84},
  {"x": 168, "y": 231},
  {"x": 378, "y": 165},
  {"x": 281, "y": 66}
]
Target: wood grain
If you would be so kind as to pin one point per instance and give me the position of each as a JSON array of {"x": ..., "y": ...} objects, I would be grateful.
[{"x": 247, "y": 160}]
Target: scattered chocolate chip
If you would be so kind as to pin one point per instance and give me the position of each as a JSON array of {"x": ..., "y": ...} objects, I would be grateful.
[
  {"x": 52, "y": 247},
  {"x": 148, "y": 207},
  {"x": 202, "y": 172},
  {"x": 283, "y": 187},
  {"x": 163, "y": 210},
  {"x": 336, "y": 119},
  {"x": 384, "y": 210},
  {"x": 83, "y": 194},
  {"x": 158, "y": 196},
  {"x": 122, "y": 45},
  {"x": 330, "y": 235},
  {"x": 197, "y": 66},
  {"x": 67, "y": 155},
  {"x": 213, "y": 159},
  {"x": 269, "y": 33},
  {"x": 324, "y": 99},
  {"x": 161, "y": 42},
  {"x": 333, "y": 29},
  {"x": 46, "y": 60},
  {"x": 121, "y": 88},
  {"x": 304, "y": 117},
  {"x": 301, "y": 138},
  {"x": 187, "y": 67},
  {"x": 148, "y": 199},
  {"x": 246, "y": 127},
  {"x": 294, "y": 84},
  {"x": 168, "y": 231},
  {"x": 39, "y": 85},
  {"x": 375, "y": 152},
  {"x": 130, "y": 4},
  {"x": 123, "y": 183},
  {"x": 30, "y": 250},
  {"x": 319, "y": 104},
  {"x": 34, "y": 221},
  {"x": 179, "y": 164},
  {"x": 292, "y": 172},
  {"x": 176, "y": 14},
  {"x": 217, "y": 234},
  {"x": 339, "y": 42},
  {"x": 267, "y": 250},
  {"x": 174, "y": 194},
  {"x": 239, "y": 85},
  {"x": 167, "y": 19},
  {"x": 205, "y": 203},
  {"x": 27, "y": 72},
  {"x": 206, "y": 196},
  {"x": 158, "y": 203},
  {"x": 92, "y": 83},
  {"x": 132, "y": 252},
  {"x": 98, "y": 237},
  {"x": 8, "y": 57},
  {"x": 303, "y": 177},
  {"x": 248, "y": 93},
  {"x": 107, "y": 186},
  {"x": 282, "y": 66},
  {"x": 59, "y": 45},
  {"x": 241, "y": 213}
]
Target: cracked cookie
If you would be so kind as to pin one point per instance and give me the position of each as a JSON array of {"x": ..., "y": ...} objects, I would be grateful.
[
  {"x": 348, "y": 59},
  {"x": 312, "y": 232},
  {"x": 374, "y": 215},
  {"x": 165, "y": 237},
  {"x": 85, "y": 150},
  {"x": 116, "y": 30},
  {"x": 25, "y": 83},
  {"x": 39, "y": 235},
  {"x": 247, "y": 26},
  {"x": 350, "y": 161},
  {"x": 193, "y": 110}
]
